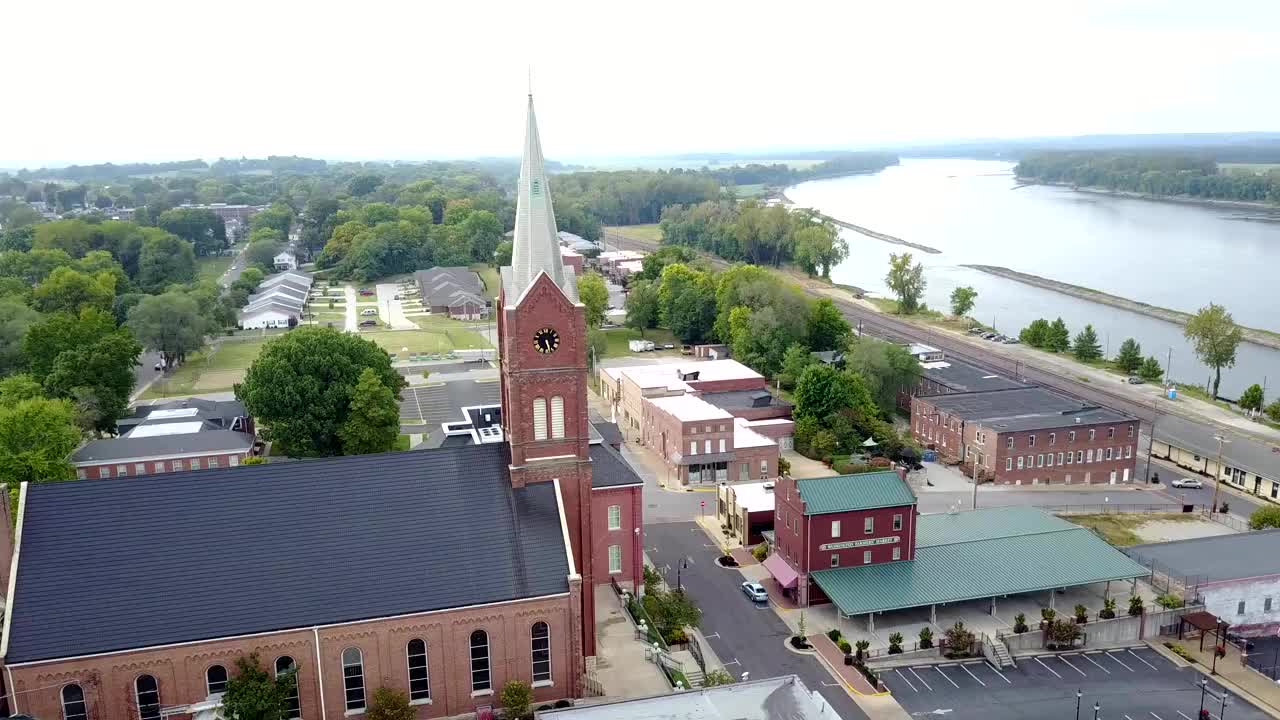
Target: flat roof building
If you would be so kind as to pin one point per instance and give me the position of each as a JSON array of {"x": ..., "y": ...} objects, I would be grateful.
[{"x": 780, "y": 698}]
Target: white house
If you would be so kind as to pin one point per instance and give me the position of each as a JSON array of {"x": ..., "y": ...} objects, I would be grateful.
[
  {"x": 269, "y": 315},
  {"x": 285, "y": 261}
]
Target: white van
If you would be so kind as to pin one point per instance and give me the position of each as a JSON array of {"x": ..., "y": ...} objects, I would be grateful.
[{"x": 369, "y": 311}]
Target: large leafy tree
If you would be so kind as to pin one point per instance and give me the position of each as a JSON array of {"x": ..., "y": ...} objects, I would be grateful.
[
  {"x": 818, "y": 248},
  {"x": 962, "y": 300},
  {"x": 1214, "y": 336},
  {"x": 16, "y": 388},
  {"x": 300, "y": 387},
  {"x": 1129, "y": 359},
  {"x": 15, "y": 319},
  {"x": 1086, "y": 347},
  {"x": 252, "y": 694},
  {"x": 482, "y": 231},
  {"x": 594, "y": 295},
  {"x": 171, "y": 324},
  {"x": 687, "y": 302},
  {"x": 822, "y": 391},
  {"x": 47, "y": 339},
  {"x": 1058, "y": 338},
  {"x": 1150, "y": 369},
  {"x": 885, "y": 367},
  {"x": 206, "y": 232},
  {"x": 1265, "y": 517},
  {"x": 642, "y": 306},
  {"x": 373, "y": 420},
  {"x": 502, "y": 255},
  {"x": 1252, "y": 398},
  {"x": 760, "y": 338},
  {"x": 37, "y": 435},
  {"x": 98, "y": 378},
  {"x": 68, "y": 290},
  {"x": 165, "y": 260},
  {"x": 1037, "y": 334},
  {"x": 906, "y": 281},
  {"x": 825, "y": 327}
]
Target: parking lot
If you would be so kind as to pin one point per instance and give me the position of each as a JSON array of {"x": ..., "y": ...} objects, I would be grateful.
[{"x": 1127, "y": 684}]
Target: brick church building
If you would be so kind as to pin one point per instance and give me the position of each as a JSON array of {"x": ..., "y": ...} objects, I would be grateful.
[{"x": 443, "y": 573}]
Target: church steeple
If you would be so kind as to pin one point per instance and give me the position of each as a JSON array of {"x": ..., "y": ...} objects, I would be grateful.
[{"x": 537, "y": 244}]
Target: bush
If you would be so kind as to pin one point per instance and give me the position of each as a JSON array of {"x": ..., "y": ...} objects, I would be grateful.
[
  {"x": 652, "y": 580},
  {"x": 959, "y": 640},
  {"x": 844, "y": 646},
  {"x": 1180, "y": 651},
  {"x": 1020, "y": 623},
  {"x": 895, "y": 643},
  {"x": 1135, "y": 605},
  {"x": 1108, "y": 609},
  {"x": 1082, "y": 614},
  {"x": 728, "y": 561},
  {"x": 861, "y": 648},
  {"x": 1169, "y": 601},
  {"x": 1047, "y": 616},
  {"x": 784, "y": 466},
  {"x": 1265, "y": 517},
  {"x": 834, "y": 634},
  {"x": 799, "y": 642},
  {"x": 717, "y": 677},
  {"x": 515, "y": 698},
  {"x": 1063, "y": 632},
  {"x": 1224, "y": 507},
  {"x": 760, "y": 552},
  {"x": 675, "y": 637},
  {"x": 389, "y": 704},
  {"x": 926, "y": 637}
]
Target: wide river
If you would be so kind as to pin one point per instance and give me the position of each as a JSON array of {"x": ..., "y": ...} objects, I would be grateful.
[{"x": 1167, "y": 254}]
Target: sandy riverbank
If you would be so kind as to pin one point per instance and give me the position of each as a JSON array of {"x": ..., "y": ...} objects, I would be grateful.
[
  {"x": 1264, "y": 338},
  {"x": 1181, "y": 199},
  {"x": 885, "y": 237}
]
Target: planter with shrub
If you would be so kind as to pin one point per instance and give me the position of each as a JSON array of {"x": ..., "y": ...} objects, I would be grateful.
[
  {"x": 847, "y": 649},
  {"x": 959, "y": 641},
  {"x": 860, "y": 649},
  {"x": 1135, "y": 606},
  {"x": 727, "y": 561},
  {"x": 1063, "y": 634},
  {"x": 926, "y": 638},
  {"x": 1108, "y": 609},
  {"x": 760, "y": 552},
  {"x": 895, "y": 643},
  {"x": 1047, "y": 616},
  {"x": 1082, "y": 615},
  {"x": 799, "y": 642},
  {"x": 1180, "y": 651},
  {"x": 834, "y": 634},
  {"x": 1020, "y": 623},
  {"x": 1169, "y": 601}
]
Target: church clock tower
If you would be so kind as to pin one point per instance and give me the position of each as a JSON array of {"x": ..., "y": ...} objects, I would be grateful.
[{"x": 542, "y": 339}]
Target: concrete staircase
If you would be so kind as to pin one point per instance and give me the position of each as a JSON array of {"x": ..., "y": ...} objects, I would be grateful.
[{"x": 1000, "y": 654}]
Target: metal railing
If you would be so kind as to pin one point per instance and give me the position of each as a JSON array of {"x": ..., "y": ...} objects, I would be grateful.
[
  {"x": 1111, "y": 508},
  {"x": 1231, "y": 521},
  {"x": 695, "y": 649}
]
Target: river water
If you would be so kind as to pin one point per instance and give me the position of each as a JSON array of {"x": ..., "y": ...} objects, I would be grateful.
[{"x": 1167, "y": 254}]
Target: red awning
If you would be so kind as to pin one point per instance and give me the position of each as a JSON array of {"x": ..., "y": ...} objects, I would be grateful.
[{"x": 781, "y": 571}]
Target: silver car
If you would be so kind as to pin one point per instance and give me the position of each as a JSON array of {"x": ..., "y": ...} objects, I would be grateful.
[
  {"x": 1187, "y": 483},
  {"x": 755, "y": 591}
]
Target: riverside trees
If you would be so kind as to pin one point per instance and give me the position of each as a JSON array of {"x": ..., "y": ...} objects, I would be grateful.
[{"x": 1214, "y": 336}]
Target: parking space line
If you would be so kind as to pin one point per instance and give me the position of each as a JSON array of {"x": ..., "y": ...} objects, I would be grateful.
[
  {"x": 1184, "y": 715},
  {"x": 922, "y": 682},
  {"x": 1073, "y": 667},
  {"x": 1157, "y": 717},
  {"x": 1046, "y": 667},
  {"x": 1113, "y": 657},
  {"x": 905, "y": 680},
  {"x": 1002, "y": 677},
  {"x": 1126, "y": 717},
  {"x": 1095, "y": 662},
  {"x": 1141, "y": 660},
  {"x": 953, "y": 682},
  {"x": 975, "y": 677}
]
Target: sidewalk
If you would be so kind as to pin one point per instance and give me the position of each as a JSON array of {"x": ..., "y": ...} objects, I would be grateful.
[
  {"x": 1231, "y": 672},
  {"x": 849, "y": 676},
  {"x": 621, "y": 667}
]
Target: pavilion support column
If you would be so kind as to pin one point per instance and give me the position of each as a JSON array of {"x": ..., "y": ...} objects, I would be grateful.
[
  {"x": 871, "y": 622},
  {"x": 1133, "y": 586},
  {"x": 993, "y": 606},
  {"x": 1106, "y": 591},
  {"x": 933, "y": 614},
  {"x": 1051, "y": 594}
]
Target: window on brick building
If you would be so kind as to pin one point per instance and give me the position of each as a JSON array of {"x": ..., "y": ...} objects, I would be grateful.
[
  {"x": 1008, "y": 463},
  {"x": 1079, "y": 456},
  {"x": 897, "y": 553},
  {"x": 1031, "y": 441},
  {"x": 866, "y": 557},
  {"x": 419, "y": 679},
  {"x": 213, "y": 463},
  {"x": 868, "y": 525},
  {"x": 615, "y": 517},
  {"x": 541, "y": 653},
  {"x": 1089, "y": 456},
  {"x": 353, "y": 678},
  {"x": 1128, "y": 451},
  {"x": 104, "y": 471},
  {"x": 539, "y": 418},
  {"x": 722, "y": 445},
  {"x": 233, "y": 460},
  {"x": 1048, "y": 460},
  {"x": 292, "y": 703},
  {"x": 1053, "y": 438},
  {"x": 615, "y": 559},
  {"x": 1040, "y": 460},
  {"x": 1130, "y": 432},
  {"x": 176, "y": 465},
  {"x": 146, "y": 694},
  {"x": 1111, "y": 433},
  {"x": 693, "y": 447},
  {"x": 557, "y": 417},
  {"x": 195, "y": 463},
  {"x": 1092, "y": 435},
  {"x": 835, "y": 559},
  {"x": 1108, "y": 453},
  {"x": 706, "y": 447},
  {"x": 897, "y": 522},
  {"x": 1020, "y": 461},
  {"x": 1008, "y": 443},
  {"x": 835, "y": 528},
  {"x": 139, "y": 468},
  {"x": 744, "y": 472},
  {"x": 215, "y": 679},
  {"x": 480, "y": 662},
  {"x": 73, "y": 707},
  {"x": 1071, "y": 436}
]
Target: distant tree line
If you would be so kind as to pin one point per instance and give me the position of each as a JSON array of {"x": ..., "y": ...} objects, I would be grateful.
[
  {"x": 1154, "y": 173},
  {"x": 758, "y": 234}
]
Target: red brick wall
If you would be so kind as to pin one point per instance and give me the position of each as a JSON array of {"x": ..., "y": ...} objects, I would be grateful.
[
  {"x": 631, "y": 506},
  {"x": 852, "y": 529},
  {"x": 788, "y": 522},
  {"x": 92, "y": 472},
  {"x": 107, "y": 680},
  {"x": 756, "y": 383},
  {"x": 775, "y": 430},
  {"x": 763, "y": 413},
  {"x": 1123, "y": 448},
  {"x": 753, "y": 456}
]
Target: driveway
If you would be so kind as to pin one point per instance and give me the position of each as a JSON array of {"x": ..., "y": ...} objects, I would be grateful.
[
  {"x": 391, "y": 310},
  {"x": 746, "y": 637},
  {"x": 351, "y": 309}
]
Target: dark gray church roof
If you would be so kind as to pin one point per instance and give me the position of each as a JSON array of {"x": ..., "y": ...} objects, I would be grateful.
[
  {"x": 114, "y": 564},
  {"x": 608, "y": 469}
]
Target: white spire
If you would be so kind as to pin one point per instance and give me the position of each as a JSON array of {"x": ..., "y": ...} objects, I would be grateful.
[{"x": 537, "y": 244}]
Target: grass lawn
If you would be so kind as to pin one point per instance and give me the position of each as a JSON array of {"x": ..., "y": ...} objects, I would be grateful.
[
  {"x": 1118, "y": 528},
  {"x": 419, "y": 341},
  {"x": 489, "y": 276},
  {"x": 749, "y": 191},
  {"x": 204, "y": 373},
  {"x": 650, "y": 232},
  {"x": 402, "y": 443},
  {"x": 212, "y": 267},
  {"x": 617, "y": 339},
  {"x": 442, "y": 323},
  {"x": 1257, "y": 168}
]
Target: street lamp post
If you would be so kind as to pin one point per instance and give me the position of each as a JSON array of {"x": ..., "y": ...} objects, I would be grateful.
[
  {"x": 1222, "y": 713},
  {"x": 683, "y": 564},
  {"x": 1096, "y": 707},
  {"x": 1217, "y": 480},
  {"x": 1204, "y": 687},
  {"x": 1078, "y": 696}
]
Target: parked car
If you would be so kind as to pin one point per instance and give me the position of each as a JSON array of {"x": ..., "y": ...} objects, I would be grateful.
[
  {"x": 366, "y": 293},
  {"x": 368, "y": 323},
  {"x": 686, "y": 349},
  {"x": 369, "y": 311},
  {"x": 976, "y": 331},
  {"x": 999, "y": 338},
  {"x": 755, "y": 591},
  {"x": 1135, "y": 380},
  {"x": 668, "y": 346},
  {"x": 1010, "y": 341},
  {"x": 1187, "y": 483},
  {"x": 988, "y": 335}
]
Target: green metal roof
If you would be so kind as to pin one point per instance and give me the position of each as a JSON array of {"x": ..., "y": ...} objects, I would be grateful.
[
  {"x": 864, "y": 491},
  {"x": 982, "y": 567},
  {"x": 985, "y": 524}
]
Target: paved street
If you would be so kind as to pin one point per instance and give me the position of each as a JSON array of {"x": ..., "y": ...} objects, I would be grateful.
[
  {"x": 746, "y": 637},
  {"x": 1133, "y": 684}
]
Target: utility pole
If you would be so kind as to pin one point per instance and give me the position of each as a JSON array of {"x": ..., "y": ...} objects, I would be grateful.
[
  {"x": 1168, "y": 366},
  {"x": 1217, "y": 480},
  {"x": 1151, "y": 438}
]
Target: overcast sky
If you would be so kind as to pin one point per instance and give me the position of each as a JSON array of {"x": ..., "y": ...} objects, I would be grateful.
[{"x": 131, "y": 81}]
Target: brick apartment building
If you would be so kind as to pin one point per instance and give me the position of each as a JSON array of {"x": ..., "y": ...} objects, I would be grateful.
[
  {"x": 835, "y": 522},
  {"x": 443, "y": 573},
  {"x": 701, "y": 443},
  {"x": 1028, "y": 436}
]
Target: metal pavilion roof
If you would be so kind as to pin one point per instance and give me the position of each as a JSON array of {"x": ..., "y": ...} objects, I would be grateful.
[{"x": 864, "y": 491}]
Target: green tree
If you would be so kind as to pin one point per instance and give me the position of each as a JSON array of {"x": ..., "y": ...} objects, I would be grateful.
[
  {"x": 16, "y": 388},
  {"x": 885, "y": 369},
  {"x": 15, "y": 319},
  {"x": 1129, "y": 359},
  {"x": 687, "y": 302},
  {"x": 278, "y": 217},
  {"x": 1214, "y": 336},
  {"x": 758, "y": 338},
  {"x": 1252, "y": 398},
  {"x": 515, "y": 698},
  {"x": 36, "y": 438},
  {"x": 642, "y": 306},
  {"x": 1273, "y": 411},
  {"x": 595, "y": 296},
  {"x": 1036, "y": 334},
  {"x": 826, "y": 328},
  {"x": 962, "y": 300},
  {"x": 818, "y": 248},
  {"x": 794, "y": 361},
  {"x": 261, "y": 254},
  {"x": 362, "y": 185},
  {"x": 717, "y": 677},
  {"x": 206, "y": 232},
  {"x": 392, "y": 704},
  {"x": 98, "y": 378},
  {"x": 1150, "y": 369},
  {"x": 164, "y": 260},
  {"x": 1267, "y": 516},
  {"x": 67, "y": 290},
  {"x": 482, "y": 231},
  {"x": 300, "y": 387},
  {"x": 906, "y": 281},
  {"x": 253, "y": 694},
  {"x": 373, "y": 421},
  {"x": 822, "y": 391},
  {"x": 597, "y": 342},
  {"x": 1058, "y": 338},
  {"x": 1086, "y": 345},
  {"x": 170, "y": 324},
  {"x": 502, "y": 255},
  {"x": 49, "y": 338}
]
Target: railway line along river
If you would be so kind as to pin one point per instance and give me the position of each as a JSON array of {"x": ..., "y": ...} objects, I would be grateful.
[{"x": 1168, "y": 255}]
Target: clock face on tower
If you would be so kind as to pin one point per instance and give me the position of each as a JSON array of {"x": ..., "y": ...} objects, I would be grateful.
[{"x": 546, "y": 341}]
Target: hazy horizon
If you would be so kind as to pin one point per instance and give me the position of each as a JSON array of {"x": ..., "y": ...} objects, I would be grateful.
[{"x": 157, "y": 82}]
